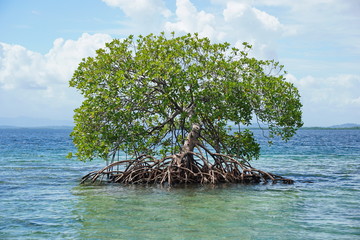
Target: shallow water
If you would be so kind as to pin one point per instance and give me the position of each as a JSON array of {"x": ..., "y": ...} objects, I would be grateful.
[{"x": 40, "y": 195}]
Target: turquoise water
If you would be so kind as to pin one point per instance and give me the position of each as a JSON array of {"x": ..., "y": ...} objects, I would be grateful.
[{"x": 40, "y": 195}]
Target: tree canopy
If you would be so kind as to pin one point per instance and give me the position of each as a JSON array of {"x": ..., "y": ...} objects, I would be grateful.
[{"x": 142, "y": 95}]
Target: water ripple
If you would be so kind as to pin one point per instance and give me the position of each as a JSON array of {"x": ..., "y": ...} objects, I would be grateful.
[{"x": 40, "y": 197}]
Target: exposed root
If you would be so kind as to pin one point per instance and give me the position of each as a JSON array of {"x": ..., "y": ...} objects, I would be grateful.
[{"x": 184, "y": 168}]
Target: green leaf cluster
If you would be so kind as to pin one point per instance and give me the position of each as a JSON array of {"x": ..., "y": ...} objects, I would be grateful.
[{"x": 142, "y": 94}]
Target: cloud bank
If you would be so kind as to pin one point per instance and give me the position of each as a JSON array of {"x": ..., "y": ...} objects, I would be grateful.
[
  {"x": 32, "y": 84},
  {"x": 312, "y": 38}
]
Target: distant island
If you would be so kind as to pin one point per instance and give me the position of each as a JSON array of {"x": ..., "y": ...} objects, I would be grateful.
[
  {"x": 346, "y": 125},
  {"x": 340, "y": 126}
]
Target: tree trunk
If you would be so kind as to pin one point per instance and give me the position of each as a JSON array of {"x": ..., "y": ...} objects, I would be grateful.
[
  {"x": 191, "y": 139},
  {"x": 190, "y": 143}
]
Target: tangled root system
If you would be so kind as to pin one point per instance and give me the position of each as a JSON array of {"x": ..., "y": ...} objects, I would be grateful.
[{"x": 185, "y": 168}]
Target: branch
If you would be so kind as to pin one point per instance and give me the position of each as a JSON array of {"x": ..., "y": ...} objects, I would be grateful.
[{"x": 170, "y": 119}]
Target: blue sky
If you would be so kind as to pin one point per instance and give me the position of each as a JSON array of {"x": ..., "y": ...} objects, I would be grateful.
[{"x": 42, "y": 41}]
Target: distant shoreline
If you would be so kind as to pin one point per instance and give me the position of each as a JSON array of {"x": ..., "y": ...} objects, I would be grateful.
[
  {"x": 330, "y": 128},
  {"x": 319, "y": 128}
]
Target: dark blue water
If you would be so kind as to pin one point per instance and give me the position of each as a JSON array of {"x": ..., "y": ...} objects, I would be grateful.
[{"x": 40, "y": 195}]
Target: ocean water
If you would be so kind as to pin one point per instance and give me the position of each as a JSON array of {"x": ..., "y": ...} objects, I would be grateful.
[{"x": 40, "y": 195}]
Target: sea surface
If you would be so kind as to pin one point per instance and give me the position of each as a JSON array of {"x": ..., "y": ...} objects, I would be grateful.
[{"x": 41, "y": 198}]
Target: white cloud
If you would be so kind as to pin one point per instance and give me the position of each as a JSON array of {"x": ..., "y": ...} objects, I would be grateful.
[
  {"x": 329, "y": 100},
  {"x": 312, "y": 21},
  {"x": 190, "y": 20},
  {"x": 17, "y": 64},
  {"x": 37, "y": 83},
  {"x": 139, "y": 8},
  {"x": 244, "y": 22},
  {"x": 21, "y": 68},
  {"x": 322, "y": 21},
  {"x": 242, "y": 12},
  {"x": 238, "y": 22},
  {"x": 146, "y": 16},
  {"x": 269, "y": 22},
  {"x": 336, "y": 91},
  {"x": 234, "y": 10},
  {"x": 318, "y": 43}
]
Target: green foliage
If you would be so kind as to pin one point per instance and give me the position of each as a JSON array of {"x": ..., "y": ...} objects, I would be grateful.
[{"x": 142, "y": 95}]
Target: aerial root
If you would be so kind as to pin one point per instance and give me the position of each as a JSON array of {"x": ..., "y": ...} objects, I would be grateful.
[{"x": 183, "y": 169}]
